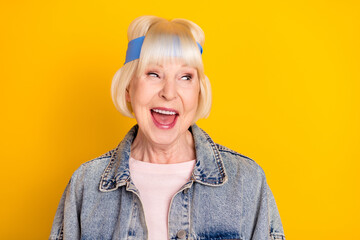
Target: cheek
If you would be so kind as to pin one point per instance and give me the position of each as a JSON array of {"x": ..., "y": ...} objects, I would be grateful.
[
  {"x": 192, "y": 100},
  {"x": 141, "y": 94}
]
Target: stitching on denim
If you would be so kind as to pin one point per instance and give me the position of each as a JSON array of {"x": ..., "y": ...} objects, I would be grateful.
[
  {"x": 111, "y": 163},
  {"x": 217, "y": 158},
  {"x": 104, "y": 181},
  {"x": 277, "y": 236},
  {"x": 61, "y": 232},
  {"x": 228, "y": 150},
  {"x": 105, "y": 155},
  {"x": 61, "y": 237}
]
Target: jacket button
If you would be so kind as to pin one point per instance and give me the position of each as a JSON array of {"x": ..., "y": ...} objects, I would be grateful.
[{"x": 181, "y": 234}]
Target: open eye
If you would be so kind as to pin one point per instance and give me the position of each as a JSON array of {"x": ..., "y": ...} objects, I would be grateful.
[
  {"x": 186, "y": 77},
  {"x": 152, "y": 74}
]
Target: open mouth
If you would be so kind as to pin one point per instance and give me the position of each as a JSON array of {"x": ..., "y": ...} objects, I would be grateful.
[{"x": 164, "y": 118}]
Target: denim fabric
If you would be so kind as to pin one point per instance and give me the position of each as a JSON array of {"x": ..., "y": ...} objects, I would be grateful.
[{"x": 227, "y": 197}]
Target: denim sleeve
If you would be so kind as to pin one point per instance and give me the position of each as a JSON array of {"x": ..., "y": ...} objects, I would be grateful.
[
  {"x": 66, "y": 222},
  {"x": 268, "y": 224},
  {"x": 276, "y": 228}
]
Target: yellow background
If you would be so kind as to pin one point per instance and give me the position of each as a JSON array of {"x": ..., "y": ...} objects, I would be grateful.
[{"x": 285, "y": 78}]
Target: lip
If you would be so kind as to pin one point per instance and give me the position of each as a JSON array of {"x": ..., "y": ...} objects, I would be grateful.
[{"x": 165, "y": 126}]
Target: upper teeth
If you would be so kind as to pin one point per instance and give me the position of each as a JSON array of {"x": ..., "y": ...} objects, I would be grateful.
[{"x": 164, "y": 112}]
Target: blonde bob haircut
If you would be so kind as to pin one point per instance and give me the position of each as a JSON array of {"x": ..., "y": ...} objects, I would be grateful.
[{"x": 164, "y": 41}]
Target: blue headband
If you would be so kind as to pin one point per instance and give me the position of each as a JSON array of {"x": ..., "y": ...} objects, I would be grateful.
[{"x": 134, "y": 49}]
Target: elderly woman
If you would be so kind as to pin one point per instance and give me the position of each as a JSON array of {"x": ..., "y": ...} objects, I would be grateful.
[{"x": 167, "y": 179}]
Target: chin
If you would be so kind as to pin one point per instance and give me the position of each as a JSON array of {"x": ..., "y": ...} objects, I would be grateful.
[{"x": 165, "y": 137}]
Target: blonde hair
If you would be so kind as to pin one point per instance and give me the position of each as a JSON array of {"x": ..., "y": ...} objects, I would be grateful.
[{"x": 164, "y": 40}]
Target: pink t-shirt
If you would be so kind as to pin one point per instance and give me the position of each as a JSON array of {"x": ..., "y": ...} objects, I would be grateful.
[{"x": 157, "y": 184}]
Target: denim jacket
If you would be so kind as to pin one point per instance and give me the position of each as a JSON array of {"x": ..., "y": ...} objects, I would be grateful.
[{"x": 227, "y": 197}]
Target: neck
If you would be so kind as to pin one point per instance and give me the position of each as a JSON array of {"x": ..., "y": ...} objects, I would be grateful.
[{"x": 182, "y": 150}]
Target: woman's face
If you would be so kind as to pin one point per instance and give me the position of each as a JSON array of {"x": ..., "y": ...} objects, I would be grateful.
[{"x": 164, "y": 99}]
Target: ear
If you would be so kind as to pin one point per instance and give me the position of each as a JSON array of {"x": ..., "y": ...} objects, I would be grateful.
[{"x": 127, "y": 95}]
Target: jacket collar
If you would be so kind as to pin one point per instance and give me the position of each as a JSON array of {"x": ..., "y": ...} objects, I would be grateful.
[{"x": 209, "y": 168}]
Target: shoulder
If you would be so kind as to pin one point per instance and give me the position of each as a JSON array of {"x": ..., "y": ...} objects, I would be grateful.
[
  {"x": 228, "y": 156},
  {"x": 224, "y": 149},
  {"x": 243, "y": 169},
  {"x": 92, "y": 169},
  {"x": 97, "y": 161},
  {"x": 235, "y": 162}
]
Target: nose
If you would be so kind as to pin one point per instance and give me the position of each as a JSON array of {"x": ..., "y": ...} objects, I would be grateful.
[{"x": 168, "y": 90}]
